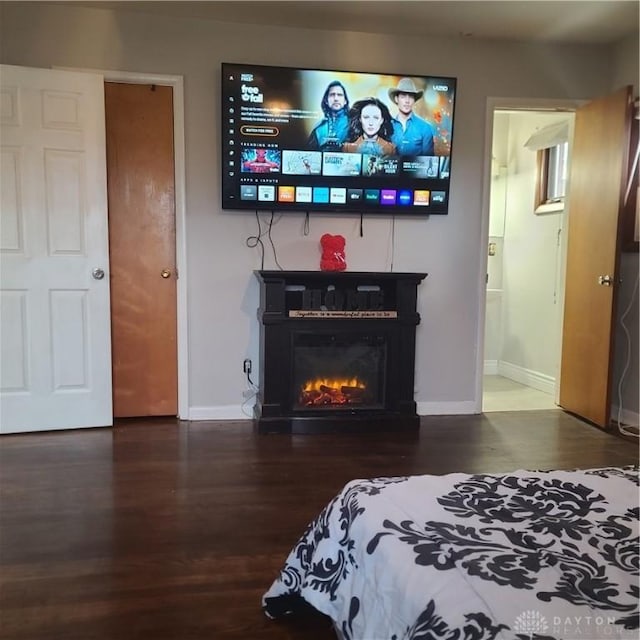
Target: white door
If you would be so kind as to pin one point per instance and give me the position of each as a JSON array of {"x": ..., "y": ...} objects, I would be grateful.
[{"x": 55, "y": 336}]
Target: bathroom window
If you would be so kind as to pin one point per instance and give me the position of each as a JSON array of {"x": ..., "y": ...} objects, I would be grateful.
[{"x": 551, "y": 182}]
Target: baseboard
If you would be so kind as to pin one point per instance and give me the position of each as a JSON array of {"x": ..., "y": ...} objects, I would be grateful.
[
  {"x": 630, "y": 418},
  {"x": 235, "y": 411},
  {"x": 225, "y": 412},
  {"x": 467, "y": 407},
  {"x": 527, "y": 377},
  {"x": 490, "y": 368}
]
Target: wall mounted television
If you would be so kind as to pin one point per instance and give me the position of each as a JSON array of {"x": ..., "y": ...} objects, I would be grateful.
[{"x": 335, "y": 141}]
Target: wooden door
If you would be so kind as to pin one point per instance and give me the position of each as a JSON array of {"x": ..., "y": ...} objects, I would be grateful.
[
  {"x": 141, "y": 192},
  {"x": 598, "y": 169},
  {"x": 55, "y": 368}
]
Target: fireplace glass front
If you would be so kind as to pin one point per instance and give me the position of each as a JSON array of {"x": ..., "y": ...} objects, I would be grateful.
[{"x": 338, "y": 371}]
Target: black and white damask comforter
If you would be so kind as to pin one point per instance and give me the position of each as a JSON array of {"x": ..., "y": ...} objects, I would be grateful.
[{"x": 525, "y": 555}]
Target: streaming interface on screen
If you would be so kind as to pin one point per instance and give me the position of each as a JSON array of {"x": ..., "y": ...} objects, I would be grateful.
[{"x": 318, "y": 140}]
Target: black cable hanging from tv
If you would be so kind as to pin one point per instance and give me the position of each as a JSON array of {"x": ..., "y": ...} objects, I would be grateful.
[
  {"x": 254, "y": 241},
  {"x": 393, "y": 241},
  {"x": 273, "y": 246}
]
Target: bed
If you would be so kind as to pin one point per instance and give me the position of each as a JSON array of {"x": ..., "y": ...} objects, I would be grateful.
[{"x": 525, "y": 555}]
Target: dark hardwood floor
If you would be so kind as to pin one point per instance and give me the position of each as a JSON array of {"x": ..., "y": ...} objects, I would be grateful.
[{"x": 158, "y": 529}]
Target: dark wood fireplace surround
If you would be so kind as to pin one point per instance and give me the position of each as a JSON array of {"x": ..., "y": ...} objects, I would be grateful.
[{"x": 341, "y": 304}]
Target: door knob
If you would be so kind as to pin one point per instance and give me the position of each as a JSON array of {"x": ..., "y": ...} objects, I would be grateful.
[
  {"x": 98, "y": 273},
  {"x": 165, "y": 273},
  {"x": 605, "y": 281}
]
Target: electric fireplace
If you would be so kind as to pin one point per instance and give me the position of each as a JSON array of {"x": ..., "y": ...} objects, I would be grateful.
[{"x": 337, "y": 351}]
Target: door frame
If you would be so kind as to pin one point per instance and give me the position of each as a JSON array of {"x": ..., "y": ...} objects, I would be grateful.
[
  {"x": 177, "y": 83},
  {"x": 516, "y": 104}
]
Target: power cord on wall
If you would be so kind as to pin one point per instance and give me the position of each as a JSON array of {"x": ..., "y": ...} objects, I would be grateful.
[
  {"x": 256, "y": 241},
  {"x": 252, "y": 390},
  {"x": 627, "y": 430},
  {"x": 273, "y": 246},
  {"x": 393, "y": 239}
]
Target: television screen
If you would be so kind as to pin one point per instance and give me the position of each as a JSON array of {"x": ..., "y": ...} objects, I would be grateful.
[{"x": 339, "y": 141}]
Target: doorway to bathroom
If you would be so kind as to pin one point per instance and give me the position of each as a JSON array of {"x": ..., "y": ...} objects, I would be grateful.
[{"x": 526, "y": 257}]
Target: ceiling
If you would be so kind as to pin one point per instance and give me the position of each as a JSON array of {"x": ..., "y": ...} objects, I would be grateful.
[{"x": 573, "y": 21}]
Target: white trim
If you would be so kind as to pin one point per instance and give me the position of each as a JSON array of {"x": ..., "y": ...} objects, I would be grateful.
[
  {"x": 446, "y": 408},
  {"x": 490, "y": 368},
  {"x": 528, "y": 377},
  {"x": 177, "y": 82},
  {"x": 181, "y": 245},
  {"x": 236, "y": 412},
  {"x": 223, "y": 412},
  {"x": 239, "y": 412},
  {"x": 483, "y": 266},
  {"x": 552, "y": 207}
]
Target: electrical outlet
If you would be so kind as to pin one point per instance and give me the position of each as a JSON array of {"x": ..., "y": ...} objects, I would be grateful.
[{"x": 246, "y": 366}]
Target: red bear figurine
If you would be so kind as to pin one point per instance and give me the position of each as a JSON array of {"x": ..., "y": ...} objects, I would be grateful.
[{"x": 333, "y": 258}]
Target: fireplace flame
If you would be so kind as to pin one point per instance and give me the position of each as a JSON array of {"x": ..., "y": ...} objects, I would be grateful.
[
  {"x": 332, "y": 383},
  {"x": 328, "y": 391}
]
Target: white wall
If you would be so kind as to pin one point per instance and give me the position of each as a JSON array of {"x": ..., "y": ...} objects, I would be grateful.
[
  {"x": 499, "y": 159},
  {"x": 531, "y": 264},
  {"x": 222, "y": 293}
]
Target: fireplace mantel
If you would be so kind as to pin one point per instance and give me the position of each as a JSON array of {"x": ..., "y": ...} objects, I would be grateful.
[{"x": 368, "y": 308}]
